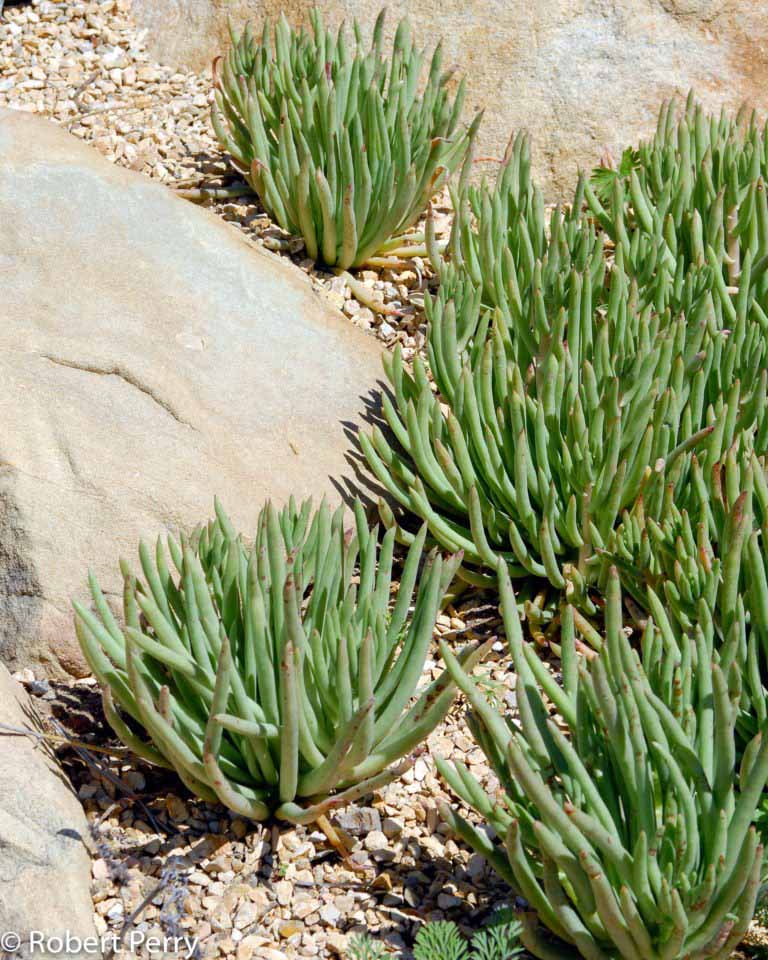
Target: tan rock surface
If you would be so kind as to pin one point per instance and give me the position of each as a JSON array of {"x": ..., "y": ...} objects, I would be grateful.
[
  {"x": 44, "y": 863},
  {"x": 150, "y": 358}
]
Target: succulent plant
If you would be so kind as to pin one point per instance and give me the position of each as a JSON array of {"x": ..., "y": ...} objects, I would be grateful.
[
  {"x": 273, "y": 677},
  {"x": 534, "y": 463},
  {"x": 697, "y": 189},
  {"x": 341, "y": 145},
  {"x": 362, "y": 947},
  {"x": 674, "y": 545},
  {"x": 628, "y": 828},
  {"x": 697, "y": 563},
  {"x": 513, "y": 256},
  {"x": 565, "y": 378}
]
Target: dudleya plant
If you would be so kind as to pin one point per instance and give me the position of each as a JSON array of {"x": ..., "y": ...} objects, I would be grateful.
[
  {"x": 625, "y": 820},
  {"x": 342, "y": 146},
  {"x": 697, "y": 188},
  {"x": 566, "y": 377},
  {"x": 697, "y": 563},
  {"x": 275, "y": 677}
]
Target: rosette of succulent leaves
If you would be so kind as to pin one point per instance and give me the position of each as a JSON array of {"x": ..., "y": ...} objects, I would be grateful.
[
  {"x": 343, "y": 145},
  {"x": 626, "y": 811},
  {"x": 276, "y": 677},
  {"x": 578, "y": 353}
]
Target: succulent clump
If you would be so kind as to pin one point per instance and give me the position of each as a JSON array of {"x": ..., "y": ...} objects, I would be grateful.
[
  {"x": 276, "y": 677},
  {"x": 580, "y": 353},
  {"x": 625, "y": 820},
  {"x": 341, "y": 144}
]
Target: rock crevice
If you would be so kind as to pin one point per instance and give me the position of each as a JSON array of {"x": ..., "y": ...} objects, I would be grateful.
[{"x": 127, "y": 377}]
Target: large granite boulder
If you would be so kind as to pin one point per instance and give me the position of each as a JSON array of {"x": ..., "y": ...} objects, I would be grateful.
[
  {"x": 45, "y": 869},
  {"x": 580, "y": 75},
  {"x": 150, "y": 358}
]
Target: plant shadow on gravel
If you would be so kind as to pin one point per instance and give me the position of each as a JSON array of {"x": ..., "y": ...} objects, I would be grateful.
[{"x": 127, "y": 800}]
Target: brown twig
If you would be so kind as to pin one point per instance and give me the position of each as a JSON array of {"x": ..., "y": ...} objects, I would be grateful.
[
  {"x": 338, "y": 844},
  {"x": 367, "y": 297},
  {"x": 82, "y": 88},
  {"x": 116, "y": 107},
  {"x": 130, "y": 921},
  {"x": 56, "y": 738},
  {"x": 84, "y": 752}
]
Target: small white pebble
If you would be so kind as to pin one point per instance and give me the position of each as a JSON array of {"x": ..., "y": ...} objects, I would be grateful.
[
  {"x": 419, "y": 770},
  {"x": 330, "y": 914},
  {"x": 375, "y": 840}
]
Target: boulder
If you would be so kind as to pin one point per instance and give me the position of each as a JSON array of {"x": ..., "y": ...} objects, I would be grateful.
[
  {"x": 580, "y": 75},
  {"x": 45, "y": 869},
  {"x": 150, "y": 358}
]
